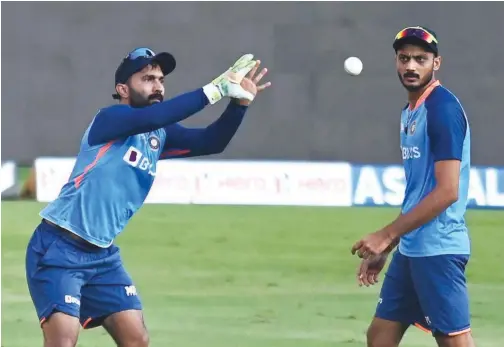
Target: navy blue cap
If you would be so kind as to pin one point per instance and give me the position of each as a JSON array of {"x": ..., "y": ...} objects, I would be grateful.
[
  {"x": 418, "y": 35},
  {"x": 139, "y": 58}
]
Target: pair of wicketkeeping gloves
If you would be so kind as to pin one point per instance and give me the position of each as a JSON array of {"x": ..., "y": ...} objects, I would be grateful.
[{"x": 228, "y": 83}]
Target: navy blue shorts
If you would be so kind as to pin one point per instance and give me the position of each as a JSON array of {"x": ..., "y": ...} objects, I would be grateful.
[
  {"x": 76, "y": 278},
  {"x": 428, "y": 292}
]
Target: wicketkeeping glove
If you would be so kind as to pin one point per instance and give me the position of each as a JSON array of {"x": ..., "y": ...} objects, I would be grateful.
[{"x": 228, "y": 84}]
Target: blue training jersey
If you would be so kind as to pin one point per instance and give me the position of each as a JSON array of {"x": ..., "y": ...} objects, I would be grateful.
[
  {"x": 436, "y": 129},
  {"x": 108, "y": 184},
  {"x": 116, "y": 164}
]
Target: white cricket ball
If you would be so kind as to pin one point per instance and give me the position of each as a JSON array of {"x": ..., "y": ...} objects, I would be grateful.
[{"x": 353, "y": 66}]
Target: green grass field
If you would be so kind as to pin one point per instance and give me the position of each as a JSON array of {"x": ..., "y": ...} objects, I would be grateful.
[{"x": 216, "y": 276}]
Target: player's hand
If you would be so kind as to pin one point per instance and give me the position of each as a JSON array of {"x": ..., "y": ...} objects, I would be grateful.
[
  {"x": 229, "y": 83},
  {"x": 368, "y": 270},
  {"x": 373, "y": 244},
  {"x": 251, "y": 83}
]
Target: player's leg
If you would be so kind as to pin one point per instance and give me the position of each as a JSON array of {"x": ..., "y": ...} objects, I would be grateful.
[
  {"x": 60, "y": 330},
  {"x": 397, "y": 307},
  {"x": 461, "y": 340},
  {"x": 118, "y": 309},
  {"x": 54, "y": 288},
  {"x": 127, "y": 328},
  {"x": 385, "y": 333},
  {"x": 110, "y": 299},
  {"x": 441, "y": 287}
]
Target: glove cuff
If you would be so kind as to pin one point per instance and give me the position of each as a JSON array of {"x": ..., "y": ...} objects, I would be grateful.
[{"x": 212, "y": 93}]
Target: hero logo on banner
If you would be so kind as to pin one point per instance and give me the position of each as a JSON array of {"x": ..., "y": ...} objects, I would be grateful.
[
  {"x": 223, "y": 182},
  {"x": 272, "y": 183},
  {"x": 275, "y": 183},
  {"x": 385, "y": 185}
]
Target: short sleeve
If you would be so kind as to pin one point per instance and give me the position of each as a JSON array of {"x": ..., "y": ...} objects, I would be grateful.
[{"x": 446, "y": 128}]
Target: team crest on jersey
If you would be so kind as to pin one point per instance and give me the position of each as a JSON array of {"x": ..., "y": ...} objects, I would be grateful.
[
  {"x": 413, "y": 128},
  {"x": 154, "y": 142}
]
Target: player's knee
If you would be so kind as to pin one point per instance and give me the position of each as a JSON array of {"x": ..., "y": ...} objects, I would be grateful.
[
  {"x": 460, "y": 340},
  {"x": 60, "y": 330},
  {"x": 374, "y": 336},
  {"x": 60, "y": 341},
  {"x": 143, "y": 340},
  {"x": 139, "y": 340},
  {"x": 380, "y": 336}
]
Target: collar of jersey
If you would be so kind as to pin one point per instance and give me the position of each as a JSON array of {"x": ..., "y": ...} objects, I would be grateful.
[{"x": 425, "y": 94}]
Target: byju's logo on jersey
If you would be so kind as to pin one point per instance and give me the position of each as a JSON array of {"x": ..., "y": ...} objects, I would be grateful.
[
  {"x": 410, "y": 153},
  {"x": 136, "y": 159}
]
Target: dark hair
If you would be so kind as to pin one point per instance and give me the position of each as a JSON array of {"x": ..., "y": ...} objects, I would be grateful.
[{"x": 116, "y": 96}]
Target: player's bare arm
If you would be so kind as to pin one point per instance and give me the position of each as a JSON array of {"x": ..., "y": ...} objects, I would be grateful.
[
  {"x": 446, "y": 130},
  {"x": 444, "y": 194}
]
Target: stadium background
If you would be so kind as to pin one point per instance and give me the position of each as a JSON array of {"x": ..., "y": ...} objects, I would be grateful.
[
  {"x": 250, "y": 275},
  {"x": 59, "y": 61}
]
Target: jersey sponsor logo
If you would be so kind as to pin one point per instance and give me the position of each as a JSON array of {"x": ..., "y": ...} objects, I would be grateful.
[
  {"x": 137, "y": 159},
  {"x": 410, "y": 152},
  {"x": 130, "y": 290},
  {"x": 71, "y": 300}
]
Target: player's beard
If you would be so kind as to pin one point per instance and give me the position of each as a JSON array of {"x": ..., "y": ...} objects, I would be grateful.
[
  {"x": 416, "y": 88},
  {"x": 138, "y": 100}
]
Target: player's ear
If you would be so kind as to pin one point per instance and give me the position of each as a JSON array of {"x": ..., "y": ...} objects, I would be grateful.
[
  {"x": 437, "y": 62},
  {"x": 122, "y": 90}
]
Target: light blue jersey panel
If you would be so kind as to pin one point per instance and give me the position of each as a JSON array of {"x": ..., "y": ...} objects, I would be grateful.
[
  {"x": 108, "y": 184},
  {"x": 437, "y": 129}
]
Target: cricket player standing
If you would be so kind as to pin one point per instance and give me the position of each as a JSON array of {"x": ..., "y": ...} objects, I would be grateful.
[{"x": 425, "y": 284}]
